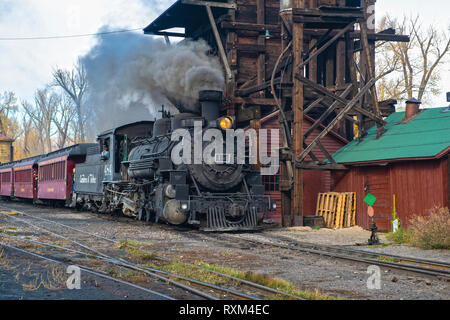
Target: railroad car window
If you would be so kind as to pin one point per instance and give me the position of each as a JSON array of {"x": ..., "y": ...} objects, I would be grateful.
[{"x": 6, "y": 177}]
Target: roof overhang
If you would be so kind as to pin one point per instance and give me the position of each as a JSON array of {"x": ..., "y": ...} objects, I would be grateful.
[
  {"x": 385, "y": 162},
  {"x": 187, "y": 14}
]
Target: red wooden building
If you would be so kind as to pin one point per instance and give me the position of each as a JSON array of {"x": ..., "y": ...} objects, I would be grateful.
[
  {"x": 410, "y": 161},
  {"x": 315, "y": 182}
]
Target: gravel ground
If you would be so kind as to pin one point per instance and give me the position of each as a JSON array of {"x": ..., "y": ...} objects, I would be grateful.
[
  {"x": 357, "y": 235},
  {"x": 22, "y": 278},
  {"x": 332, "y": 276}
]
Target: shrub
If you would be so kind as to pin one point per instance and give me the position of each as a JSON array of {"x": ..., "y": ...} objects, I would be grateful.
[{"x": 432, "y": 231}]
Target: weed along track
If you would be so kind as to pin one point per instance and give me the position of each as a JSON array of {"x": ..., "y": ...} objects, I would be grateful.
[{"x": 126, "y": 262}]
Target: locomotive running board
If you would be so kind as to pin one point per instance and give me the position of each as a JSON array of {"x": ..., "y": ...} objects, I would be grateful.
[{"x": 216, "y": 221}]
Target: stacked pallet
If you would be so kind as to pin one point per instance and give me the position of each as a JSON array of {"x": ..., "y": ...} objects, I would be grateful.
[{"x": 337, "y": 209}]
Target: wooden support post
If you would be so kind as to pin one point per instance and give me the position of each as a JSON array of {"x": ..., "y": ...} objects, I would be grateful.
[
  {"x": 340, "y": 64},
  {"x": 230, "y": 76},
  {"x": 256, "y": 125},
  {"x": 297, "y": 107},
  {"x": 261, "y": 64},
  {"x": 313, "y": 64},
  {"x": 329, "y": 66}
]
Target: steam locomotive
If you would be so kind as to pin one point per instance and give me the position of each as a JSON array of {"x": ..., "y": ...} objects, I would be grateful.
[{"x": 131, "y": 171}]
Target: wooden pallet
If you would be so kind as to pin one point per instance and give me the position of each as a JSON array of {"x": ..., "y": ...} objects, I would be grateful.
[{"x": 337, "y": 209}]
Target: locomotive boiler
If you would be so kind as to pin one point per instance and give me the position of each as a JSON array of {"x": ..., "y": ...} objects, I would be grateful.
[{"x": 132, "y": 170}]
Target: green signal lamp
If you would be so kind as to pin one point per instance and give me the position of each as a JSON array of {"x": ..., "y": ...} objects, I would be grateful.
[{"x": 268, "y": 35}]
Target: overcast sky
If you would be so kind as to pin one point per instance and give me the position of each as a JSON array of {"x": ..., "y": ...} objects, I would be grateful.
[{"x": 26, "y": 65}]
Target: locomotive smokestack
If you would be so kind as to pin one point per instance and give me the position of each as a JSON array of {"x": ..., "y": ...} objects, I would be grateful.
[{"x": 210, "y": 101}]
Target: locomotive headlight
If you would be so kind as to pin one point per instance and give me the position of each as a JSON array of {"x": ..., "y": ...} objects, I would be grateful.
[
  {"x": 226, "y": 123},
  {"x": 184, "y": 206}
]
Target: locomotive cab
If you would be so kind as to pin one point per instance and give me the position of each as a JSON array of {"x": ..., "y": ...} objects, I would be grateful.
[{"x": 115, "y": 146}]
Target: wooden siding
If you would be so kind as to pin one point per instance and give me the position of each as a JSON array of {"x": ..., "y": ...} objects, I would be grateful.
[
  {"x": 417, "y": 185},
  {"x": 5, "y": 152},
  {"x": 315, "y": 182}
]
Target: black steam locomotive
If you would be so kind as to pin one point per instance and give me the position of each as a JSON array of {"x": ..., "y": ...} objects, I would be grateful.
[{"x": 131, "y": 170}]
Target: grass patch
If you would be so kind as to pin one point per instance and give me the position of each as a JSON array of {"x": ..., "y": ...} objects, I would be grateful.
[
  {"x": 426, "y": 232},
  {"x": 268, "y": 281},
  {"x": 190, "y": 271},
  {"x": 138, "y": 254},
  {"x": 399, "y": 237},
  {"x": 204, "y": 274},
  {"x": 316, "y": 228},
  {"x": 387, "y": 259}
]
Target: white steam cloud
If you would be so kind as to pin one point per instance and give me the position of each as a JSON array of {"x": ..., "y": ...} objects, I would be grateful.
[{"x": 131, "y": 75}]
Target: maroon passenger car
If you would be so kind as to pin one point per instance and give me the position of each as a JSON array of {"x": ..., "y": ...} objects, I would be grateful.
[
  {"x": 6, "y": 181},
  {"x": 25, "y": 179},
  {"x": 56, "y": 172}
]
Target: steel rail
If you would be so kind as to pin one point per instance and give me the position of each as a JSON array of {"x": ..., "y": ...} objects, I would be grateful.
[
  {"x": 249, "y": 283},
  {"x": 368, "y": 253},
  {"x": 133, "y": 266},
  {"x": 439, "y": 273},
  {"x": 88, "y": 270},
  {"x": 150, "y": 271}
]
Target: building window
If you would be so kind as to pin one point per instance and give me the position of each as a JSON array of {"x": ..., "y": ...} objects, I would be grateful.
[{"x": 271, "y": 183}]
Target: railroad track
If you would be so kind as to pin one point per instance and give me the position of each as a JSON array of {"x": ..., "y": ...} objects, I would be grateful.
[
  {"x": 195, "y": 287},
  {"x": 436, "y": 269}
]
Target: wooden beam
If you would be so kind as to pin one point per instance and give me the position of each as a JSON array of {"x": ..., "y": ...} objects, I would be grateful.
[
  {"x": 370, "y": 67},
  {"x": 357, "y": 35},
  {"x": 355, "y": 13},
  {"x": 259, "y": 48},
  {"x": 167, "y": 34},
  {"x": 211, "y": 4},
  {"x": 326, "y": 45},
  {"x": 333, "y": 123},
  {"x": 320, "y": 166},
  {"x": 333, "y": 96},
  {"x": 261, "y": 62},
  {"x": 256, "y": 88},
  {"x": 224, "y": 57},
  {"x": 297, "y": 107},
  {"x": 327, "y": 112},
  {"x": 254, "y": 101},
  {"x": 326, "y": 153},
  {"x": 273, "y": 28},
  {"x": 316, "y": 103},
  {"x": 341, "y": 65}
]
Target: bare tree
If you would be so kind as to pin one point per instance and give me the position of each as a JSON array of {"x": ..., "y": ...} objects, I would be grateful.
[
  {"x": 74, "y": 84},
  {"x": 41, "y": 114},
  {"x": 416, "y": 63},
  {"x": 8, "y": 106},
  {"x": 63, "y": 119}
]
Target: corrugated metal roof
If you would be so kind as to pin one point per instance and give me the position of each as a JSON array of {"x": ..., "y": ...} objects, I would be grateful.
[{"x": 426, "y": 136}]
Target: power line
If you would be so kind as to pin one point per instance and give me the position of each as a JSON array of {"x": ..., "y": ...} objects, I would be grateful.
[{"x": 70, "y": 36}]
